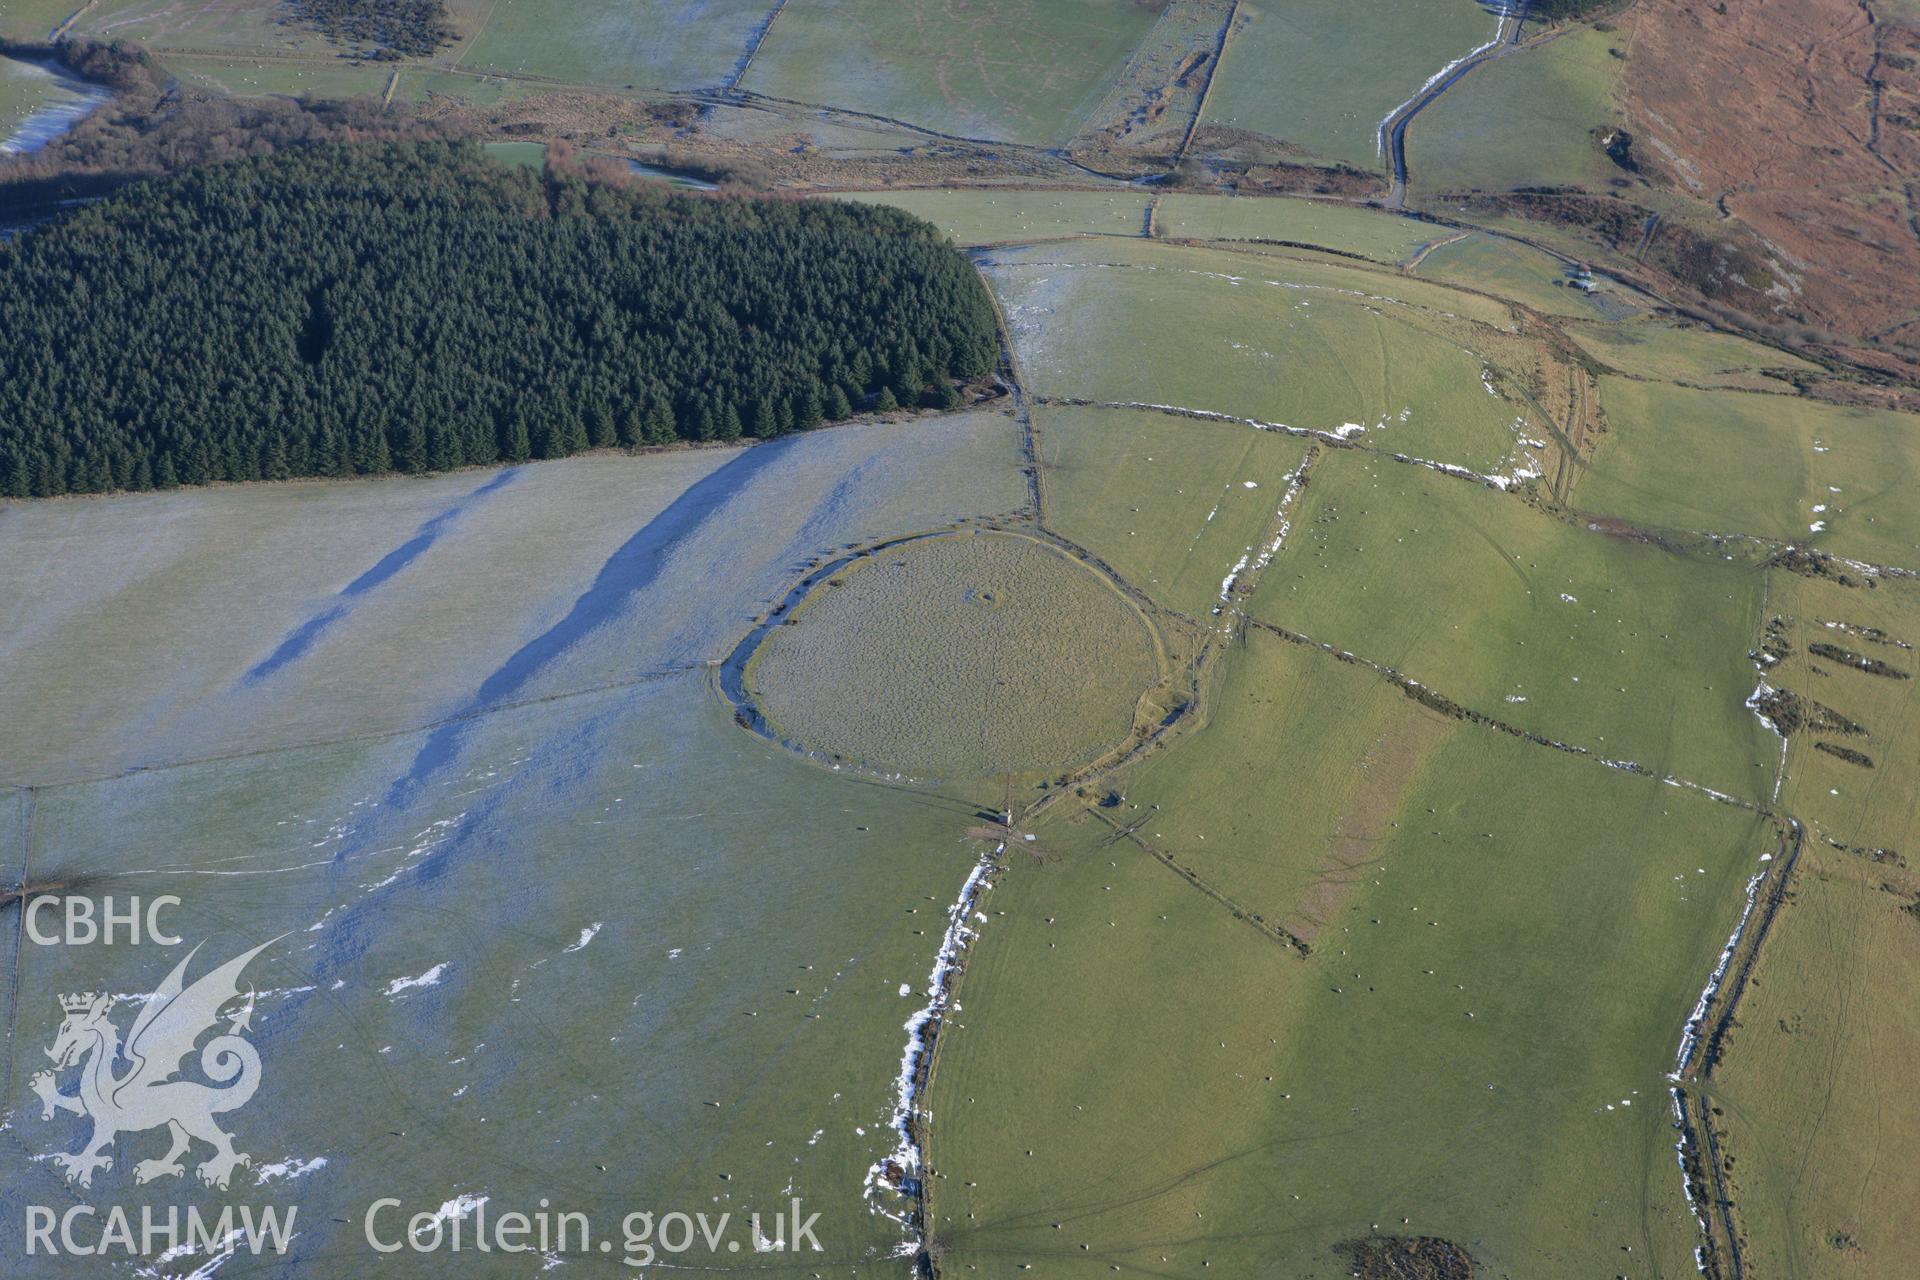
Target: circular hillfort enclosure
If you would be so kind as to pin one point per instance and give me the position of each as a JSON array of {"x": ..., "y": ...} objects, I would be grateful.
[{"x": 958, "y": 654}]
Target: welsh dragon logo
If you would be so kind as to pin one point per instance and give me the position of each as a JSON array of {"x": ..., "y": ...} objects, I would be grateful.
[{"x": 150, "y": 1092}]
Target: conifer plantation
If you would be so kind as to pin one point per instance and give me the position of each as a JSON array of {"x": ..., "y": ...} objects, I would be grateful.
[
  {"x": 357, "y": 309},
  {"x": 389, "y": 27}
]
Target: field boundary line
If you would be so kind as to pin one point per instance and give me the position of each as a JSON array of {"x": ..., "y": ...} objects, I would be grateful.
[
  {"x": 1206, "y": 90},
  {"x": 1022, "y": 401},
  {"x": 1788, "y": 858},
  {"x": 1692, "y": 1082},
  {"x": 1328, "y": 438},
  {"x": 1769, "y": 545},
  {"x": 748, "y": 97},
  {"x": 760, "y": 34},
  {"x": 1252, "y": 919},
  {"x": 1438, "y": 702},
  {"x": 25, "y": 820},
  {"x": 919, "y": 1119}
]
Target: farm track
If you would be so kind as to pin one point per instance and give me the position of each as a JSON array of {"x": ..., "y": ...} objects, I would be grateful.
[
  {"x": 1394, "y": 128},
  {"x": 1568, "y": 458},
  {"x": 1572, "y": 460},
  {"x": 1646, "y": 237},
  {"x": 472, "y": 39},
  {"x": 1412, "y": 264}
]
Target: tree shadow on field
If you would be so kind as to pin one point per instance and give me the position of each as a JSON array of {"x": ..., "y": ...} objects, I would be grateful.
[
  {"x": 303, "y": 637},
  {"x": 634, "y": 567}
]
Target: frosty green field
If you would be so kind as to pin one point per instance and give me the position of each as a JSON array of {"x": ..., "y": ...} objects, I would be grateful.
[
  {"x": 1691, "y": 356},
  {"x": 360, "y": 630},
  {"x": 22, "y": 91},
  {"x": 1171, "y": 503},
  {"x": 1829, "y": 476},
  {"x": 1521, "y": 917},
  {"x": 603, "y": 42},
  {"x": 1303, "y": 346},
  {"x": 1632, "y": 651},
  {"x": 430, "y": 814},
  {"x": 990, "y": 217},
  {"x": 995, "y": 68}
]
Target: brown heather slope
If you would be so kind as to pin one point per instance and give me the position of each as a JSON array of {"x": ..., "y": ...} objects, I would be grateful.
[{"x": 1799, "y": 118}]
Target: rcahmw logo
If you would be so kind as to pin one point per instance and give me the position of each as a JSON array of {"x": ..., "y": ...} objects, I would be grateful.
[
  {"x": 86, "y": 1232},
  {"x": 142, "y": 1082}
]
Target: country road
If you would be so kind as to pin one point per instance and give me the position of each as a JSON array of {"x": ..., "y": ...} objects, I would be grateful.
[{"x": 1393, "y": 129}]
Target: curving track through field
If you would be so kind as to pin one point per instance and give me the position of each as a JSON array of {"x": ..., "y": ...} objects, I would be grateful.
[{"x": 1393, "y": 129}]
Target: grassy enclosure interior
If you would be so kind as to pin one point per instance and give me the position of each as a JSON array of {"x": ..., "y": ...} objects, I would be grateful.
[{"x": 960, "y": 655}]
